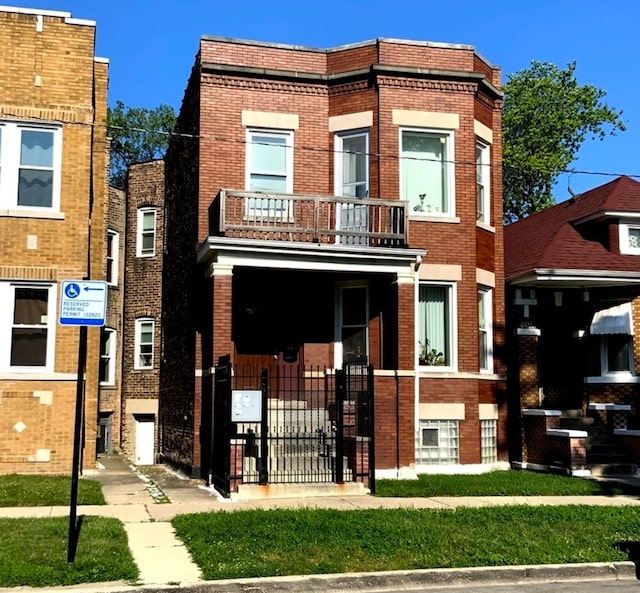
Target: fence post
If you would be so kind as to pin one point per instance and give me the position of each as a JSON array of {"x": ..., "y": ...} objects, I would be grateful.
[
  {"x": 263, "y": 472},
  {"x": 340, "y": 397}
]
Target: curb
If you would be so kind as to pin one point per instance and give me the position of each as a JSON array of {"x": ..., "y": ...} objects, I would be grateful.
[{"x": 390, "y": 581}]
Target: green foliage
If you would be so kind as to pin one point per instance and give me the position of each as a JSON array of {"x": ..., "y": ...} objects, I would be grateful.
[
  {"x": 430, "y": 356},
  {"x": 547, "y": 116},
  {"x": 261, "y": 543},
  {"x": 497, "y": 483},
  {"x": 31, "y": 491},
  {"x": 137, "y": 135},
  {"x": 35, "y": 554}
]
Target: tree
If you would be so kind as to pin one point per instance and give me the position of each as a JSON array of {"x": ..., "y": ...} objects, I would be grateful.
[
  {"x": 137, "y": 135},
  {"x": 547, "y": 116}
]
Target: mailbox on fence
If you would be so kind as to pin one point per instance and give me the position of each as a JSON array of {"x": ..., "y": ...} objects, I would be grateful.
[{"x": 246, "y": 405}]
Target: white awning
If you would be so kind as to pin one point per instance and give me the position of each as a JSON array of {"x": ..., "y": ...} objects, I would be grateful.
[{"x": 615, "y": 320}]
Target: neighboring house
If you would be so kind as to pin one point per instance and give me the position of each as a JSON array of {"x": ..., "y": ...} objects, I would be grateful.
[
  {"x": 53, "y": 163},
  {"x": 110, "y": 374},
  {"x": 141, "y": 323},
  {"x": 346, "y": 205},
  {"x": 573, "y": 290}
]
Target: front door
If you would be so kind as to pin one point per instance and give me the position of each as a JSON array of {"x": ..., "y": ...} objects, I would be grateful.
[
  {"x": 352, "y": 181},
  {"x": 353, "y": 326}
]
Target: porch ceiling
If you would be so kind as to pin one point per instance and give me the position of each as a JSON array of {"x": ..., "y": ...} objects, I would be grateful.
[
  {"x": 556, "y": 278},
  {"x": 308, "y": 256}
]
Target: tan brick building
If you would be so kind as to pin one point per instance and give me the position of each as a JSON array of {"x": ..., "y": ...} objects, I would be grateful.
[
  {"x": 347, "y": 207},
  {"x": 53, "y": 162}
]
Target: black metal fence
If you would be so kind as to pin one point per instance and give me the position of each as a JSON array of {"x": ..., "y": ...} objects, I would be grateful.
[{"x": 291, "y": 425}]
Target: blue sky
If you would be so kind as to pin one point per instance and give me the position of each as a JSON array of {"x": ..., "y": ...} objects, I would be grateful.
[{"x": 151, "y": 46}]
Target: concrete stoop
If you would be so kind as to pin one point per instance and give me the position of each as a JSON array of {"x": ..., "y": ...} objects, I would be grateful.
[{"x": 268, "y": 491}]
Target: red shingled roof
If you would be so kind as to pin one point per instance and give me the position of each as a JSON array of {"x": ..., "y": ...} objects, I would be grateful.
[{"x": 549, "y": 240}]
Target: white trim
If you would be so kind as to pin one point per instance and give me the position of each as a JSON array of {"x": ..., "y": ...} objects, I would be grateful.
[
  {"x": 623, "y": 232},
  {"x": 565, "y": 432},
  {"x": 425, "y": 119},
  {"x": 137, "y": 364},
  {"x": 338, "y": 344},
  {"x": 142, "y": 211},
  {"x": 486, "y": 295},
  {"x": 482, "y": 131},
  {"x": 613, "y": 320},
  {"x": 443, "y": 272},
  {"x": 111, "y": 343},
  {"x": 270, "y": 119},
  {"x": 610, "y": 407},
  {"x": 441, "y": 411},
  {"x": 527, "y": 331},
  {"x": 351, "y": 121},
  {"x": 483, "y": 179},
  {"x": 453, "y": 328},
  {"x": 485, "y": 278},
  {"x": 113, "y": 265},
  {"x": 487, "y": 411},
  {"x": 537, "y": 412}
]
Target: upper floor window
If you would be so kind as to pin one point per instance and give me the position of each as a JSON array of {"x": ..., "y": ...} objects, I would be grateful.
[
  {"x": 107, "y": 356},
  {"x": 352, "y": 164},
  {"x": 435, "y": 329},
  {"x": 426, "y": 171},
  {"x": 630, "y": 237},
  {"x": 112, "y": 257},
  {"x": 485, "y": 329},
  {"x": 146, "y": 234},
  {"x": 28, "y": 326},
  {"x": 269, "y": 169},
  {"x": 483, "y": 170},
  {"x": 144, "y": 344},
  {"x": 30, "y": 165}
]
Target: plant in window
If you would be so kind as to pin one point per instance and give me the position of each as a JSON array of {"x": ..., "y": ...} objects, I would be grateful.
[{"x": 430, "y": 356}]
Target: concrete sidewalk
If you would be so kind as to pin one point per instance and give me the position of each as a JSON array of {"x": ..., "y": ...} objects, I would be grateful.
[{"x": 137, "y": 497}]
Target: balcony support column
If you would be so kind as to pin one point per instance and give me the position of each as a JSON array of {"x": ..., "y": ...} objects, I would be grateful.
[{"x": 222, "y": 275}]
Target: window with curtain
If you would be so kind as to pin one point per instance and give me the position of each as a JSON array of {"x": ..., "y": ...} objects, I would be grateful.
[
  {"x": 426, "y": 166},
  {"x": 434, "y": 332},
  {"x": 353, "y": 171},
  {"x": 30, "y": 163},
  {"x": 144, "y": 344},
  {"x": 269, "y": 170}
]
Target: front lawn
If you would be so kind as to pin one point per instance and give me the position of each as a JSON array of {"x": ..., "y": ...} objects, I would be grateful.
[
  {"x": 498, "y": 483},
  {"x": 280, "y": 542},
  {"x": 33, "y": 552},
  {"x": 18, "y": 490}
]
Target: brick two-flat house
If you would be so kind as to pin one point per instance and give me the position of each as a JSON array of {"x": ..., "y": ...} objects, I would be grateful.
[
  {"x": 573, "y": 288},
  {"x": 334, "y": 218},
  {"x": 53, "y": 163}
]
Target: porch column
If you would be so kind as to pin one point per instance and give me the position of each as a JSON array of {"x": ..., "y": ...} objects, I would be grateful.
[
  {"x": 406, "y": 282},
  {"x": 222, "y": 275}
]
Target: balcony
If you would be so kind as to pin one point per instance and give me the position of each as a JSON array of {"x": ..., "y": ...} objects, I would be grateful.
[{"x": 316, "y": 219}]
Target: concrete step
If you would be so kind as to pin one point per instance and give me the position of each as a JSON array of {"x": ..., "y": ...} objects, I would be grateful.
[{"x": 260, "y": 492}]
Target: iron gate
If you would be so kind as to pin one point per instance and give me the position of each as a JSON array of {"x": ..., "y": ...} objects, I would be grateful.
[{"x": 291, "y": 425}]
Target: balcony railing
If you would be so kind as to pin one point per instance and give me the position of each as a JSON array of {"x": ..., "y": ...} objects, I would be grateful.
[{"x": 309, "y": 218}]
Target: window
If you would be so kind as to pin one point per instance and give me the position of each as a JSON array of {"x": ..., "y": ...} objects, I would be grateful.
[
  {"x": 437, "y": 442},
  {"x": 29, "y": 325},
  {"x": 489, "y": 441},
  {"x": 30, "y": 163},
  {"x": 630, "y": 238},
  {"x": 269, "y": 170},
  {"x": 352, "y": 181},
  {"x": 146, "y": 242},
  {"x": 616, "y": 354},
  {"x": 107, "y": 356},
  {"x": 113, "y": 248},
  {"x": 483, "y": 174},
  {"x": 353, "y": 315},
  {"x": 426, "y": 169},
  {"x": 435, "y": 330},
  {"x": 485, "y": 330},
  {"x": 144, "y": 344}
]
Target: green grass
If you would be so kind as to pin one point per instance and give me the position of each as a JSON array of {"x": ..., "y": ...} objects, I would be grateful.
[
  {"x": 33, "y": 552},
  {"x": 287, "y": 542},
  {"x": 17, "y": 490},
  {"x": 498, "y": 483}
]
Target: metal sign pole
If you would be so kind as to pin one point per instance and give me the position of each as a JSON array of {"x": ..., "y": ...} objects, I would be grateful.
[{"x": 77, "y": 440}]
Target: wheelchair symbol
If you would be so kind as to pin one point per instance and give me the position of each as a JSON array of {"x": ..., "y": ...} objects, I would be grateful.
[{"x": 72, "y": 290}]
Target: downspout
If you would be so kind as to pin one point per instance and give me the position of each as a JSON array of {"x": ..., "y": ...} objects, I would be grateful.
[{"x": 395, "y": 372}]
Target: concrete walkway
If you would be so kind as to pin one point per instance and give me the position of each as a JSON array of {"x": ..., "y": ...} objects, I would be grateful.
[{"x": 138, "y": 498}]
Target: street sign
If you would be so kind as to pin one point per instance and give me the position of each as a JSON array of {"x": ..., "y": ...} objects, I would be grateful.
[{"x": 83, "y": 302}]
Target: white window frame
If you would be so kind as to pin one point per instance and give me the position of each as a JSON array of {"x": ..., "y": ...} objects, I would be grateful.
[
  {"x": 452, "y": 331},
  {"x": 10, "y": 165},
  {"x": 7, "y": 295},
  {"x": 108, "y": 354},
  {"x": 483, "y": 181},
  {"x": 140, "y": 232},
  {"x": 604, "y": 356},
  {"x": 625, "y": 229},
  {"x": 338, "y": 344},
  {"x": 113, "y": 240},
  {"x": 416, "y": 207},
  {"x": 137, "y": 362},
  {"x": 485, "y": 298},
  {"x": 339, "y": 139},
  {"x": 271, "y": 206}
]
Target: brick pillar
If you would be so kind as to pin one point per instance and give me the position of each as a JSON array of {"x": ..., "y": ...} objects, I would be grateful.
[
  {"x": 222, "y": 281},
  {"x": 528, "y": 367},
  {"x": 406, "y": 320}
]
